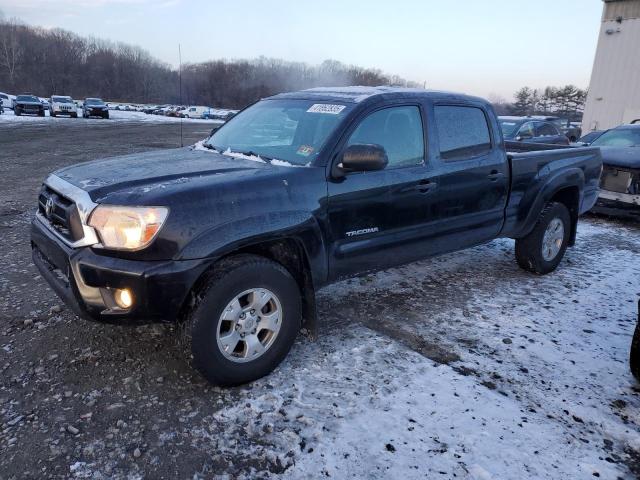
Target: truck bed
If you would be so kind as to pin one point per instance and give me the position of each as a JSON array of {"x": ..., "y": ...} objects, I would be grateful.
[{"x": 537, "y": 168}]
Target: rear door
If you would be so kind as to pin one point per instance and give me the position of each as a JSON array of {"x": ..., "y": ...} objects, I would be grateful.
[
  {"x": 473, "y": 176},
  {"x": 379, "y": 218}
]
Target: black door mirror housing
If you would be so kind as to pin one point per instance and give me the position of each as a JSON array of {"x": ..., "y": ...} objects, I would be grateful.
[{"x": 364, "y": 158}]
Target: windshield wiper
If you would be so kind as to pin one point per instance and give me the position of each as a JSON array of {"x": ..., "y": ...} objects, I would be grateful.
[{"x": 251, "y": 153}]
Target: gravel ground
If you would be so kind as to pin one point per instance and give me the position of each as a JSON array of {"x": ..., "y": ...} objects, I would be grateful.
[{"x": 462, "y": 366}]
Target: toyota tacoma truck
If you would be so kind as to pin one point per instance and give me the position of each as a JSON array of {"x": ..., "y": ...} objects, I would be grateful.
[{"x": 232, "y": 237}]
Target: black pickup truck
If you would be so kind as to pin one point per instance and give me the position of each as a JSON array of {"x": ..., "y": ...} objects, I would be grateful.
[{"x": 233, "y": 236}]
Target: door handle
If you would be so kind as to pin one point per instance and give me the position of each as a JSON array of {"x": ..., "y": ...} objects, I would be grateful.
[
  {"x": 425, "y": 186},
  {"x": 495, "y": 175}
]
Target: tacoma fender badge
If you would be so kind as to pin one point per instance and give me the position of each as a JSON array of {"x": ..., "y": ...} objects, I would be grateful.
[{"x": 362, "y": 231}]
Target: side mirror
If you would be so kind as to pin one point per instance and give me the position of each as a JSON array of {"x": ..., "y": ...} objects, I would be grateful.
[{"x": 364, "y": 158}]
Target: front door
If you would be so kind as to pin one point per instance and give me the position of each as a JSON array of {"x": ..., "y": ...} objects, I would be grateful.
[{"x": 377, "y": 218}]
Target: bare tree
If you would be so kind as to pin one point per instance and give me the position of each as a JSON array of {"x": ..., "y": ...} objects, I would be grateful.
[{"x": 10, "y": 50}]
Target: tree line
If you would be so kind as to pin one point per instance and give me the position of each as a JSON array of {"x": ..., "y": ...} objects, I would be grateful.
[
  {"x": 55, "y": 61},
  {"x": 565, "y": 102}
]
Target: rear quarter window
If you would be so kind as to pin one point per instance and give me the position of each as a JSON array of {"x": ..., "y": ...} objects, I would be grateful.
[{"x": 462, "y": 131}]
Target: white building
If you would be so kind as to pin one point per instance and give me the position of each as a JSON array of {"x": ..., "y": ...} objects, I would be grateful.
[{"x": 614, "y": 90}]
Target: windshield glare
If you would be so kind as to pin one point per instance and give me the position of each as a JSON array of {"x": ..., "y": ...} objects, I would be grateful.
[
  {"x": 93, "y": 101},
  {"x": 290, "y": 130},
  {"x": 62, "y": 100},
  {"x": 623, "y": 137},
  {"x": 508, "y": 127},
  {"x": 26, "y": 98}
]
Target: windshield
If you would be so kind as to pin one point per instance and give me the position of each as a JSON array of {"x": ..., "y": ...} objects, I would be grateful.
[
  {"x": 27, "y": 98},
  {"x": 62, "y": 99},
  {"x": 290, "y": 130},
  {"x": 619, "y": 137},
  {"x": 93, "y": 101},
  {"x": 509, "y": 127}
]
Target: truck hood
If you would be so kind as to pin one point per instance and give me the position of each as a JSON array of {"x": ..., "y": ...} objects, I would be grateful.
[
  {"x": 626, "y": 157},
  {"x": 155, "y": 172}
]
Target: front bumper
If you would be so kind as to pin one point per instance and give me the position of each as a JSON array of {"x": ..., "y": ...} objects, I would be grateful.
[
  {"x": 96, "y": 112},
  {"x": 85, "y": 280}
]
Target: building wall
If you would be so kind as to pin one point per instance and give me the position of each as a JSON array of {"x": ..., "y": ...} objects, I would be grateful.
[{"x": 614, "y": 90}]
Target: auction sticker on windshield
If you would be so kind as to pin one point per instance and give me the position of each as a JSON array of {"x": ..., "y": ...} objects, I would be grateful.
[{"x": 325, "y": 108}]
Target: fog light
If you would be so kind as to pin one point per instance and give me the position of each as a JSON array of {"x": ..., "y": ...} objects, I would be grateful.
[{"x": 123, "y": 298}]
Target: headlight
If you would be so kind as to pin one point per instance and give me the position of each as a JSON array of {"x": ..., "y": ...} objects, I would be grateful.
[{"x": 127, "y": 228}]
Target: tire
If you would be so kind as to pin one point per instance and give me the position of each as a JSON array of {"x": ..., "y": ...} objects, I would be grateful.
[
  {"x": 74, "y": 115},
  {"x": 529, "y": 249},
  {"x": 204, "y": 324},
  {"x": 41, "y": 113},
  {"x": 634, "y": 355},
  {"x": 52, "y": 113},
  {"x": 105, "y": 115},
  {"x": 17, "y": 112}
]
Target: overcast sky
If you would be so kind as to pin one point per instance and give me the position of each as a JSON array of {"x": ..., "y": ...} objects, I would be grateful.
[{"x": 480, "y": 47}]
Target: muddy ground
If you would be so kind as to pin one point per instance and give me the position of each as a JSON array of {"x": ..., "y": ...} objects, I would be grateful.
[{"x": 499, "y": 373}]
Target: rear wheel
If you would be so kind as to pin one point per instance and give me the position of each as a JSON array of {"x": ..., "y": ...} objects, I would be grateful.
[
  {"x": 246, "y": 320},
  {"x": 542, "y": 250}
]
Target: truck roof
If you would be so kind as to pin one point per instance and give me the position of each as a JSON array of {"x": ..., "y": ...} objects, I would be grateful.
[{"x": 357, "y": 94}]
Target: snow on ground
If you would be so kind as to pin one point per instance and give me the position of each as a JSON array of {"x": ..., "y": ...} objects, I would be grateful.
[
  {"x": 461, "y": 366},
  {"x": 9, "y": 119}
]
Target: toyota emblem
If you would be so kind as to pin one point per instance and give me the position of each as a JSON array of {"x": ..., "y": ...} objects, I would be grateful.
[{"x": 48, "y": 207}]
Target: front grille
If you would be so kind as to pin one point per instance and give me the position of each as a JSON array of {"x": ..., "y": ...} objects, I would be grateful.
[{"x": 61, "y": 213}]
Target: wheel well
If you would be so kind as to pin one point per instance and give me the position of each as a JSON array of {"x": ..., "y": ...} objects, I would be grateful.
[
  {"x": 289, "y": 253},
  {"x": 570, "y": 198}
]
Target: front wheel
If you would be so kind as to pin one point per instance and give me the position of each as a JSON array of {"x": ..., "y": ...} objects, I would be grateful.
[
  {"x": 542, "y": 250},
  {"x": 245, "y": 321}
]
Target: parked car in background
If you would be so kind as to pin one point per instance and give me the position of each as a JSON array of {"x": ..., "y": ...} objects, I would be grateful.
[
  {"x": 45, "y": 103},
  {"x": 195, "y": 112},
  {"x": 7, "y": 100},
  {"x": 589, "y": 138},
  {"x": 94, "y": 107},
  {"x": 238, "y": 250},
  {"x": 63, "y": 105},
  {"x": 28, "y": 104},
  {"x": 571, "y": 130},
  {"x": 528, "y": 129},
  {"x": 220, "y": 114},
  {"x": 620, "y": 180}
]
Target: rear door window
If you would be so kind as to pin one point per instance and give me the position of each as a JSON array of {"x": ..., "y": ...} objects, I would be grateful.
[{"x": 462, "y": 131}]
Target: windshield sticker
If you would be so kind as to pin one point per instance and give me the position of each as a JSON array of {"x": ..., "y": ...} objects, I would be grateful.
[
  {"x": 326, "y": 108},
  {"x": 305, "y": 150}
]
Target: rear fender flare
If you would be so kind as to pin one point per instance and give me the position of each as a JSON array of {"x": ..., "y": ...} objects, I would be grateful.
[{"x": 573, "y": 177}]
